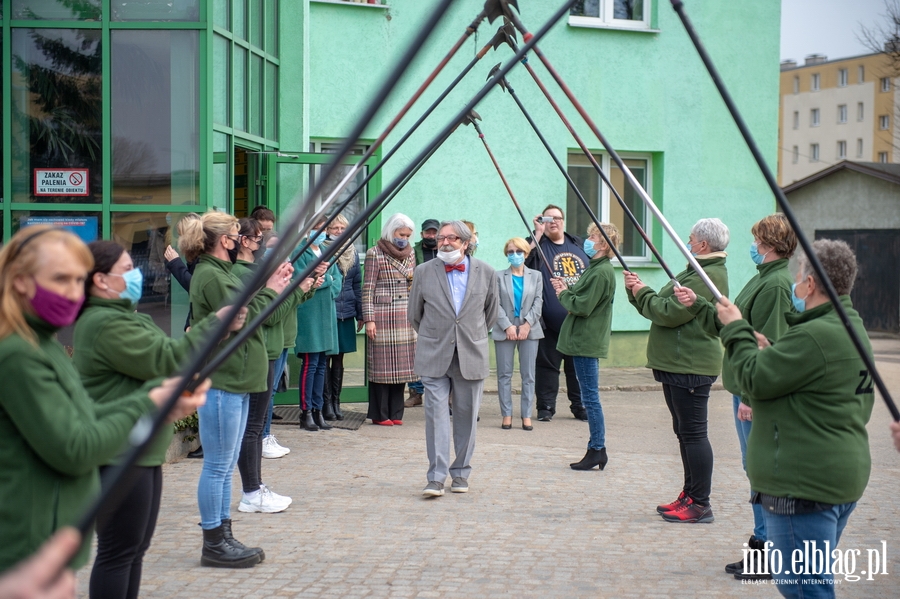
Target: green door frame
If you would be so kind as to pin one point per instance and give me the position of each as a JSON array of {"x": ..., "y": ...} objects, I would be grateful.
[{"x": 373, "y": 188}]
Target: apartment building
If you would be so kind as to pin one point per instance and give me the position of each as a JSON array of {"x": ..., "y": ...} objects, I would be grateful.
[{"x": 834, "y": 110}]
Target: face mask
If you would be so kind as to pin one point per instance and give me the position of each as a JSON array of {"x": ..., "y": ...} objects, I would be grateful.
[
  {"x": 267, "y": 252},
  {"x": 689, "y": 248},
  {"x": 451, "y": 257},
  {"x": 169, "y": 219},
  {"x": 400, "y": 242},
  {"x": 429, "y": 243},
  {"x": 588, "y": 247},
  {"x": 233, "y": 253},
  {"x": 54, "y": 309},
  {"x": 516, "y": 259},
  {"x": 755, "y": 255},
  {"x": 134, "y": 285},
  {"x": 799, "y": 304}
]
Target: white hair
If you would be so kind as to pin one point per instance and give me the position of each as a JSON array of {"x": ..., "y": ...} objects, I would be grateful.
[
  {"x": 396, "y": 221},
  {"x": 713, "y": 231}
]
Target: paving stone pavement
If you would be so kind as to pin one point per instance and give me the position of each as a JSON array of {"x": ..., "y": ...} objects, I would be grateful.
[{"x": 529, "y": 527}]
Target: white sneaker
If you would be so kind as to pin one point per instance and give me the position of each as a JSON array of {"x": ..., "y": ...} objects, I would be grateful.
[
  {"x": 280, "y": 498},
  {"x": 279, "y": 446},
  {"x": 271, "y": 449},
  {"x": 262, "y": 502}
]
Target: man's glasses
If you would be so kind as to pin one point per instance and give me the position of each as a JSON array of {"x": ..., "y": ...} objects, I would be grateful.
[{"x": 450, "y": 238}]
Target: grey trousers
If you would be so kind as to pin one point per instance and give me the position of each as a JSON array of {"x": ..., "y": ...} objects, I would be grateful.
[
  {"x": 466, "y": 402},
  {"x": 527, "y": 355}
]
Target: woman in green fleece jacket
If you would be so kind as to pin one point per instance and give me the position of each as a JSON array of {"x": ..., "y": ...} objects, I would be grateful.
[
  {"x": 687, "y": 359},
  {"x": 116, "y": 350},
  {"x": 585, "y": 333},
  {"x": 808, "y": 453},
  {"x": 215, "y": 240},
  {"x": 53, "y": 437}
]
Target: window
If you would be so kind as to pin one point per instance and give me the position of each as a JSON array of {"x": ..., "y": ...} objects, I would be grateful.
[
  {"x": 796, "y": 119},
  {"x": 814, "y": 117},
  {"x": 883, "y": 157},
  {"x": 842, "y": 77},
  {"x": 885, "y": 84},
  {"x": 628, "y": 14},
  {"x": 796, "y": 85},
  {"x": 842, "y": 150},
  {"x": 884, "y": 122},
  {"x": 860, "y": 111},
  {"x": 795, "y": 155},
  {"x": 604, "y": 203},
  {"x": 842, "y": 113},
  {"x": 859, "y": 147},
  {"x": 861, "y": 74},
  {"x": 813, "y": 152},
  {"x": 814, "y": 83}
]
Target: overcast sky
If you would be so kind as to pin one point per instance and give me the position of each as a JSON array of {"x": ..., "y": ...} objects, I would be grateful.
[{"x": 829, "y": 27}]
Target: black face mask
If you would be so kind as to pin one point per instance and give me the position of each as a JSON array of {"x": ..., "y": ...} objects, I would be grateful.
[
  {"x": 233, "y": 253},
  {"x": 429, "y": 244}
]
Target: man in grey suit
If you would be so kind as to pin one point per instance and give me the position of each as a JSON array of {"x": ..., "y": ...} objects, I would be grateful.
[{"x": 452, "y": 303}]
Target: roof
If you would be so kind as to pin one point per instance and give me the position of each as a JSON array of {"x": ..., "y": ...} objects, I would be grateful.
[
  {"x": 826, "y": 62},
  {"x": 887, "y": 172}
]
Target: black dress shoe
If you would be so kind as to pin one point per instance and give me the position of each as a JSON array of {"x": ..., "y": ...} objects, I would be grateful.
[
  {"x": 276, "y": 416},
  {"x": 506, "y": 427},
  {"x": 593, "y": 457},
  {"x": 580, "y": 416},
  {"x": 197, "y": 453},
  {"x": 544, "y": 416},
  {"x": 527, "y": 427}
]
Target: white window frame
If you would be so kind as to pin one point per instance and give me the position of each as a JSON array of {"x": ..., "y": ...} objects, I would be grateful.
[
  {"x": 842, "y": 113},
  {"x": 861, "y": 74},
  {"x": 815, "y": 117},
  {"x": 796, "y": 119},
  {"x": 885, "y": 84},
  {"x": 859, "y": 147},
  {"x": 813, "y": 152},
  {"x": 607, "y": 21},
  {"x": 883, "y": 157},
  {"x": 814, "y": 81},
  {"x": 860, "y": 111},
  {"x": 795, "y": 155},
  {"x": 796, "y": 84},
  {"x": 842, "y": 150},
  {"x": 606, "y": 196},
  {"x": 843, "y": 76},
  {"x": 884, "y": 122}
]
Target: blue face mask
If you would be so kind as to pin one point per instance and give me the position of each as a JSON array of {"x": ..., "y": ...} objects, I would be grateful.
[
  {"x": 516, "y": 258},
  {"x": 267, "y": 252},
  {"x": 799, "y": 304},
  {"x": 400, "y": 242},
  {"x": 134, "y": 285},
  {"x": 687, "y": 244},
  {"x": 589, "y": 248},
  {"x": 319, "y": 238},
  {"x": 755, "y": 255}
]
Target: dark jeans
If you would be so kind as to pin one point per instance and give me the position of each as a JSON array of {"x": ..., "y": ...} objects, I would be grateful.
[
  {"x": 689, "y": 409},
  {"x": 312, "y": 380},
  {"x": 546, "y": 376},
  {"x": 250, "y": 460},
  {"x": 123, "y": 537}
]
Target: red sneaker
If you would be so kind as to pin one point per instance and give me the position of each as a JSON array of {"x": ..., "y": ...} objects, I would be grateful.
[
  {"x": 690, "y": 513},
  {"x": 397, "y": 422},
  {"x": 668, "y": 507},
  {"x": 383, "y": 422}
]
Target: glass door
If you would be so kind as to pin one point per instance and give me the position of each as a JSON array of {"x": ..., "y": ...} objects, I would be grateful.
[{"x": 289, "y": 177}]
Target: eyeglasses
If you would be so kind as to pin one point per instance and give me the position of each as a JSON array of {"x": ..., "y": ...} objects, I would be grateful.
[
  {"x": 516, "y": 252},
  {"x": 450, "y": 238},
  {"x": 253, "y": 238},
  {"x": 557, "y": 219}
]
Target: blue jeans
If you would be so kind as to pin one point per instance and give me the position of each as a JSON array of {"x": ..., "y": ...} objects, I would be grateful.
[
  {"x": 588, "y": 372},
  {"x": 222, "y": 421},
  {"x": 788, "y": 533},
  {"x": 280, "y": 363},
  {"x": 417, "y": 386},
  {"x": 312, "y": 380},
  {"x": 743, "y": 432}
]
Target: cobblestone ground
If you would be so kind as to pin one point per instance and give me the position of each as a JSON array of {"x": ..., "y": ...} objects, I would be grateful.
[{"x": 529, "y": 527}]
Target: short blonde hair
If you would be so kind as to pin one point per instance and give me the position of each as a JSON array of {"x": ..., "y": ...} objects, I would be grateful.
[
  {"x": 339, "y": 219},
  {"x": 776, "y": 232},
  {"x": 611, "y": 231},
  {"x": 20, "y": 257},
  {"x": 518, "y": 243}
]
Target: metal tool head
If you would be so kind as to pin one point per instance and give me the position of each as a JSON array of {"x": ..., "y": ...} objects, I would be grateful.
[
  {"x": 502, "y": 81},
  {"x": 471, "y": 117},
  {"x": 499, "y": 8},
  {"x": 504, "y": 34}
]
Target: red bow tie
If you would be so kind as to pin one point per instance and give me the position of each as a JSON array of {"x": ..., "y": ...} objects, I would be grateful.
[{"x": 461, "y": 267}]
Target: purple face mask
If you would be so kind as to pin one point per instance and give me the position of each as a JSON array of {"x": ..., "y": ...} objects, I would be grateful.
[{"x": 54, "y": 309}]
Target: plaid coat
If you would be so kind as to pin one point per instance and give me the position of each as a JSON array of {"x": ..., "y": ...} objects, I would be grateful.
[{"x": 385, "y": 294}]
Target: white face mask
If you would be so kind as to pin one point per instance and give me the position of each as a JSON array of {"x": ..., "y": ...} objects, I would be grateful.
[{"x": 449, "y": 257}]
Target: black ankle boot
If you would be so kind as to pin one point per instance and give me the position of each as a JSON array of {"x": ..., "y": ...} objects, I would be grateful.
[
  {"x": 327, "y": 396},
  {"x": 229, "y": 538},
  {"x": 754, "y": 569},
  {"x": 320, "y": 422},
  {"x": 593, "y": 457},
  {"x": 218, "y": 553},
  {"x": 307, "y": 421},
  {"x": 337, "y": 384}
]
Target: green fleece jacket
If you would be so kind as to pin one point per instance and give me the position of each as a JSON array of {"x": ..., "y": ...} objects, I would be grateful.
[
  {"x": 678, "y": 342},
  {"x": 811, "y": 397},
  {"x": 117, "y": 350},
  {"x": 213, "y": 285},
  {"x": 764, "y": 302},
  {"x": 585, "y": 331},
  {"x": 53, "y": 437}
]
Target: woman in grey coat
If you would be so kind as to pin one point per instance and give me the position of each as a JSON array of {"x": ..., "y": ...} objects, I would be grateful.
[{"x": 518, "y": 325}]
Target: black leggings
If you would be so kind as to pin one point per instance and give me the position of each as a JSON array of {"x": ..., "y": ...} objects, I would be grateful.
[
  {"x": 689, "y": 409},
  {"x": 123, "y": 537},
  {"x": 250, "y": 458}
]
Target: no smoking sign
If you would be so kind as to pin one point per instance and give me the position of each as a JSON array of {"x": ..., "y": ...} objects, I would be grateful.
[{"x": 61, "y": 182}]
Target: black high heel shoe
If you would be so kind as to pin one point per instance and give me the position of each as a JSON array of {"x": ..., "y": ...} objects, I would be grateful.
[
  {"x": 526, "y": 427},
  {"x": 506, "y": 427},
  {"x": 593, "y": 457}
]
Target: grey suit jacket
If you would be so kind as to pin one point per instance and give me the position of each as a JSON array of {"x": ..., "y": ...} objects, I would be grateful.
[
  {"x": 432, "y": 314},
  {"x": 532, "y": 303}
]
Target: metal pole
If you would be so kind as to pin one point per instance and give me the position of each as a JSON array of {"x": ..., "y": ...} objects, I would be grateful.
[{"x": 787, "y": 210}]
